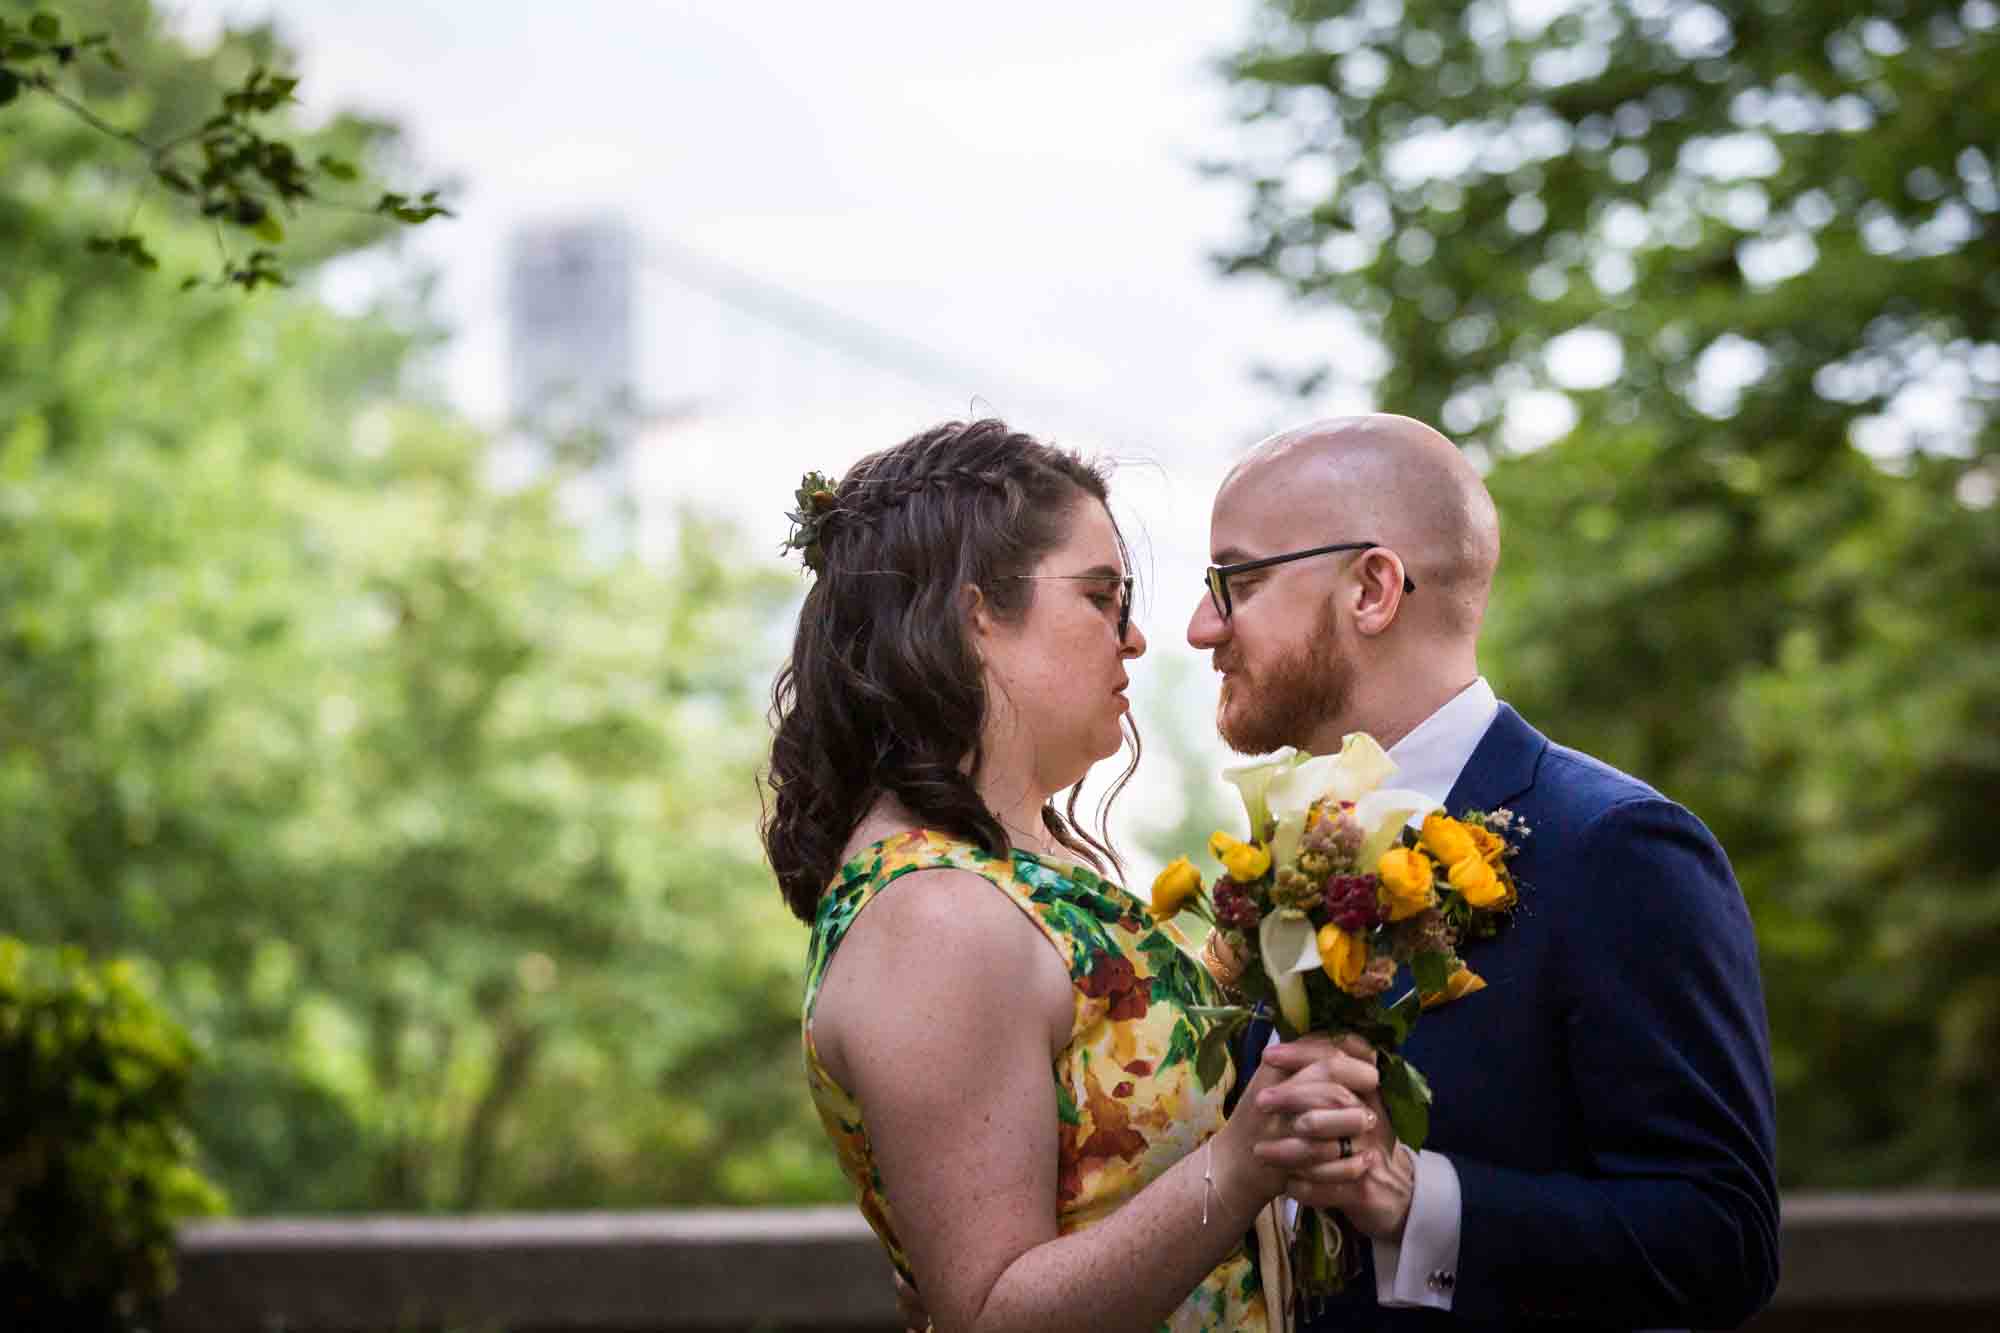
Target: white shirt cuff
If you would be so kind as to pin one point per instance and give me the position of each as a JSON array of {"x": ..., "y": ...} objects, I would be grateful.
[{"x": 1422, "y": 1271}]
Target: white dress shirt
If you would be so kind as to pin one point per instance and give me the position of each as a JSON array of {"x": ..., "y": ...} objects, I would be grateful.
[{"x": 1422, "y": 1269}]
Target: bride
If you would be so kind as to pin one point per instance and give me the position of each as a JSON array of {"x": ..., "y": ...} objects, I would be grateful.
[{"x": 998, "y": 1037}]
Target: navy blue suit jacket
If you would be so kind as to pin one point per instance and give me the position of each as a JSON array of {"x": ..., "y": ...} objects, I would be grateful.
[{"x": 1607, "y": 1098}]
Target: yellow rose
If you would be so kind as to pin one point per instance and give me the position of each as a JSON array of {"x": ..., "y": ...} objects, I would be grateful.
[
  {"x": 1479, "y": 883},
  {"x": 1245, "y": 861},
  {"x": 1456, "y": 986},
  {"x": 1406, "y": 882},
  {"x": 1173, "y": 887},
  {"x": 1447, "y": 839},
  {"x": 1343, "y": 953},
  {"x": 1491, "y": 848}
]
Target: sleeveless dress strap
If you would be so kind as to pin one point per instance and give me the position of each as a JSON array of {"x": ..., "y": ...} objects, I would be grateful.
[{"x": 881, "y": 864}]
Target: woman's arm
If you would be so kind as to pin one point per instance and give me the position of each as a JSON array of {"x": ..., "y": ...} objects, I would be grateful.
[{"x": 944, "y": 1008}]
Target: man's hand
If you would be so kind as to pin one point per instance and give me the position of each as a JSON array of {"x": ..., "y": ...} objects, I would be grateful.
[{"x": 1378, "y": 1202}]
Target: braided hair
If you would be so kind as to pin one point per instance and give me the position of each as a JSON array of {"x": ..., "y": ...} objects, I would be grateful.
[{"x": 883, "y": 692}]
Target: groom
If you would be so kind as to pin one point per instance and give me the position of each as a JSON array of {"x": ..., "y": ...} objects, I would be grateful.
[{"x": 1601, "y": 1147}]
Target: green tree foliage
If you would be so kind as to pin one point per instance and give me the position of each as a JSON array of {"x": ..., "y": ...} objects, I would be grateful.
[
  {"x": 215, "y": 155},
  {"x": 435, "y": 827},
  {"x": 95, "y": 1154},
  {"x": 1753, "y": 249}
]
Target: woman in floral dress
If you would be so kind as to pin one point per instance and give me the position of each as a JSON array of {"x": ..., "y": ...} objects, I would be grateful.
[{"x": 1000, "y": 1041}]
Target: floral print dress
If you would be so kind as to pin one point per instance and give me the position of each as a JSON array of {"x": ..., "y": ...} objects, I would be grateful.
[{"x": 1127, "y": 1095}]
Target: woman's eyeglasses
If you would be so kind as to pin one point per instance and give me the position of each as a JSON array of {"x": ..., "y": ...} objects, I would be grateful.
[{"x": 1124, "y": 582}]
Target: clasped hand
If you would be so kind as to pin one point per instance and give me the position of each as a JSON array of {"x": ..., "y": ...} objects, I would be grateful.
[{"x": 1322, "y": 1093}]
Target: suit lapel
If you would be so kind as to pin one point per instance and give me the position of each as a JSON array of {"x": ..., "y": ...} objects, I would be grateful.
[{"x": 1501, "y": 768}]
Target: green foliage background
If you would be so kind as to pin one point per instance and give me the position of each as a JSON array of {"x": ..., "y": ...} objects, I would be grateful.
[
  {"x": 94, "y": 1145},
  {"x": 436, "y": 828},
  {"x": 1769, "y": 593}
]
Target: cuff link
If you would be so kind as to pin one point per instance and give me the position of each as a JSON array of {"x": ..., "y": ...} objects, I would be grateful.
[{"x": 1441, "y": 1280}]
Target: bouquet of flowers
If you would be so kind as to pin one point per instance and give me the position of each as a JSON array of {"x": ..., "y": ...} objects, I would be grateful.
[{"x": 1341, "y": 880}]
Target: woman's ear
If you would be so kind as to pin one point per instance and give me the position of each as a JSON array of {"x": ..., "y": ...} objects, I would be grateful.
[{"x": 978, "y": 612}]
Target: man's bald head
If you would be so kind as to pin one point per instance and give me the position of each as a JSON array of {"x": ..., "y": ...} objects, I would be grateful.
[{"x": 1387, "y": 479}]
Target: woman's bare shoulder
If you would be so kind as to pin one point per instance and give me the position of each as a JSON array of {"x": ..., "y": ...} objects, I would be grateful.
[{"x": 942, "y": 947}]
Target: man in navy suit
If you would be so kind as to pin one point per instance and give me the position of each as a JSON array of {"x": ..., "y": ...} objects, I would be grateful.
[{"x": 1601, "y": 1145}]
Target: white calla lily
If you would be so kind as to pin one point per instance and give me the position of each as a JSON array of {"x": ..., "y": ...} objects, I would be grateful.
[
  {"x": 1277, "y": 935},
  {"x": 1288, "y": 941},
  {"x": 1287, "y": 945},
  {"x": 1291, "y": 795},
  {"x": 1293, "y": 1002},
  {"x": 1252, "y": 781},
  {"x": 1362, "y": 766},
  {"x": 1293, "y": 791},
  {"x": 1382, "y": 815}
]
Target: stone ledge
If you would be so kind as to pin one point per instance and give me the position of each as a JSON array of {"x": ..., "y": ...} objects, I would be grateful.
[
  {"x": 1857, "y": 1250},
  {"x": 803, "y": 1267},
  {"x": 820, "y": 1268}
]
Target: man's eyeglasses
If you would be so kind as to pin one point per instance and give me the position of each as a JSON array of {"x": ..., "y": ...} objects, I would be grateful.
[
  {"x": 1219, "y": 575},
  {"x": 1124, "y": 583}
]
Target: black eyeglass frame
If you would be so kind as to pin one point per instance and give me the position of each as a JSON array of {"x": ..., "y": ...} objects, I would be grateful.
[
  {"x": 1124, "y": 582},
  {"x": 1217, "y": 576}
]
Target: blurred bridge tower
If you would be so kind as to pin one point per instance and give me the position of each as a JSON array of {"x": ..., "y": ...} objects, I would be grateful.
[
  {"x": 704, "y": 388},
  {"x": 571, "y": 353}
]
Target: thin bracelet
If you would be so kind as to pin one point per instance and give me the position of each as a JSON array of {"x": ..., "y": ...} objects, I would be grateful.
[{"x": 1207, "y": 1176}]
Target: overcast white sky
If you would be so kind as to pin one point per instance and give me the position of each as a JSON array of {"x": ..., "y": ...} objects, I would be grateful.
[{"x": 1010, "y": 187}]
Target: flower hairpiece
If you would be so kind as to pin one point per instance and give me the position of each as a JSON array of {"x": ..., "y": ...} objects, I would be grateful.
[{"x": 815, "y": 500}]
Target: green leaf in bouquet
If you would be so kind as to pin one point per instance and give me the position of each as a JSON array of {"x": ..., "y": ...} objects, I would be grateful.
[
  {"x": 1181, "y": 1045},
  {"x": 1431, "y": 970},
  {"x": 1256, "y": 987},
  {"x": 1211, "y": 1057},
  {"x": 1376, "y": 1033},
  {"x": 1402, "y": 1015},
  {"x": 1407, "y": 1098}
]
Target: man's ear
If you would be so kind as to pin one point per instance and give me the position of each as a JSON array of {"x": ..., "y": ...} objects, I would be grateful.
[{"x": 1378, "y": 591}]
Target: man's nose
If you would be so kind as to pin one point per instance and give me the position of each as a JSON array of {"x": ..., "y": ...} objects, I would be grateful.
[{"x": 1206, "y": 627}]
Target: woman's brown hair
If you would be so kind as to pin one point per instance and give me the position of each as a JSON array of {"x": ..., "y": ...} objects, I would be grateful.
[{"x": 883, "y": 692}]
